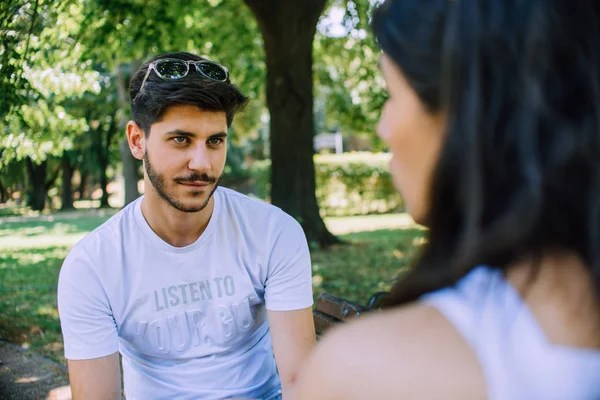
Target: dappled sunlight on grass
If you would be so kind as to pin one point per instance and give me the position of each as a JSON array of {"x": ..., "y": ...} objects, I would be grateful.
[
  {"x": 398, "y": 254},
  {"x": 27, "y": 231},
  {"x": 30, "y": 258},
  {"x": 55, "y": 347},
  {"x": 67, "y": 225},
  {"x": 419, "y": 241},
  {"x": 39, "y": 242},
  {"x": 371, "y": 262},
  {"x": 58, "y": 228},
  {"x": 47, "y": 310},
  {"x": 34, "y": 266},
  {"x": 30, "y": 318},
  {"x": 344, "y": 225},
  {"x": 44, "y": 234}
]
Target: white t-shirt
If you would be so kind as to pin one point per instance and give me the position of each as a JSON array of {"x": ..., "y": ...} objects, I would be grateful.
[
  {"x": 517, "y": 359},
  {"x": 189, "y": 322}
]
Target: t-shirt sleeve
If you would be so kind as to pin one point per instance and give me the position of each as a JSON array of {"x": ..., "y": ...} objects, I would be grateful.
[
  {"x": 289, "y": 277},
  {"x": 88, "y": 327}
]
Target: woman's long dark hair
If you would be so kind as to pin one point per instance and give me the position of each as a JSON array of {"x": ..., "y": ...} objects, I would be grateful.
[{"x": 519, "y": 172}]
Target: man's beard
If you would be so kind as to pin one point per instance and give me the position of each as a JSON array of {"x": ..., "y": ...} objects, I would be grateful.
[{"x": 158, "y": 182}]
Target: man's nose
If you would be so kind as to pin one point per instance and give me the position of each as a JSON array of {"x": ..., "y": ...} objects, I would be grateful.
[{"x": 200, "y": 159}]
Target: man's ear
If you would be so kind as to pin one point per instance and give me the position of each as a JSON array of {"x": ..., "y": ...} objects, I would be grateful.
[{"x": 136, "y": 139}]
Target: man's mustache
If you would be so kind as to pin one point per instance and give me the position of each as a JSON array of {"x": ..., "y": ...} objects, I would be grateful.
[{"x": 196, "y": 178}]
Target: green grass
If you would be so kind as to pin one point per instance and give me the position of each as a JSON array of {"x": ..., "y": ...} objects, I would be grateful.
[
  {"x": 13, "y": 210},
  {"x": 371, "y": 262},
  {"x": 32, "y": 251}
]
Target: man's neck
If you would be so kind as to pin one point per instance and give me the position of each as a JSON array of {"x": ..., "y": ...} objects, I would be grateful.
[{"x": 175, "y": 227}]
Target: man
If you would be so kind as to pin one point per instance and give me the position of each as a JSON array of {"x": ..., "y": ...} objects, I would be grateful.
[{"x": 201, "y": 289}]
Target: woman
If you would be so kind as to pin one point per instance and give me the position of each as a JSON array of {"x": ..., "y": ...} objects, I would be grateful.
[{"x": 493, "y": 120}]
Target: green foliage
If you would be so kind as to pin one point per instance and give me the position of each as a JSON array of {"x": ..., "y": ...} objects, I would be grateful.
[
  {"x": 127, "y": 32},
  {"x": 123, "y": 31},
  {"x": 355, "y": 184},
  {"x": 260, "y": 173},
  {"x": 12, "y": 173},
  {"x": 37, "y": 131},
  {"x": 347, "y": 76},
  {"x": 46, "y": 74},
  {"x": 20, "y": 21},
  {"x": 347, "y": 184},
  {"x": 37, "y": 49}
]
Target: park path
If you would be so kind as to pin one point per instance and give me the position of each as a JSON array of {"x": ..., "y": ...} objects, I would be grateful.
[
  {"x": 25, "y": 375},
  {"x": 60, "y": 216}
]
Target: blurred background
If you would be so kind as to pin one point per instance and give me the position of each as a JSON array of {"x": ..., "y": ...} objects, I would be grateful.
[{"x": 306, "y": 142}]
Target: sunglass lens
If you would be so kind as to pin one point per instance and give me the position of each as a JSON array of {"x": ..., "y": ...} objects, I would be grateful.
[
  {"x": 172, "y": 69},
  {"x": 213, "y": 71}
]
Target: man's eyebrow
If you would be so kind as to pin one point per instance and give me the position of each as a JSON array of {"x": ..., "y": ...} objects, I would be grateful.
[{"x": 179, "y": 132}]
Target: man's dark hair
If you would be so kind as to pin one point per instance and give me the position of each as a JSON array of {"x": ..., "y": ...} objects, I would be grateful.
[
  {"x": 519, "y": 171},
  {"x": 194, "y": 89}
]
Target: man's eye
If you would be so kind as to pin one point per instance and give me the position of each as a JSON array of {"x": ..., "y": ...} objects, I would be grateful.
[
  {"x": 180, "y": 139},
  {"x": 215, "y": 141}
]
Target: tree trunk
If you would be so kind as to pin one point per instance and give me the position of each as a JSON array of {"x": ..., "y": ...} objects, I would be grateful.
[
  {"x": 3, "y": 194},
  {"x": 130, "y": 163},
  {"x": 37, "y": 184},
  {"x": 130, "y": 172},
  {"x": 105, "y": 160},
  {"x": 288, "y": 29},
  {"x": 104, "y": 187},
  {"x": 55, "y": 172},
  {"x": 82, "y": 184},
  {"x": 67, "y": 182}
]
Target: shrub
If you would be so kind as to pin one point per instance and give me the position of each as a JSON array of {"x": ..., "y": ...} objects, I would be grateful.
[{"x": 347, "y": 184}]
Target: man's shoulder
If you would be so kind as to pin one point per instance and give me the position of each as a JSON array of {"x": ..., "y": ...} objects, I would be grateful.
[
  {"x": 245, "y": 200},
  {"x": 109, "y": 233},
  {"x": 253, "y": 207}
]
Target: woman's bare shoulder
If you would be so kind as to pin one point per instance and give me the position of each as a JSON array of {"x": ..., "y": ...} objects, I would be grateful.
[{"x": 409, "y": 352}]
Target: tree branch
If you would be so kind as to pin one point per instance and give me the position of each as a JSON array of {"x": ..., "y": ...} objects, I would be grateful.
[
  {"x": 33, "y": 18},
  {"x": 52, "y": 179}
]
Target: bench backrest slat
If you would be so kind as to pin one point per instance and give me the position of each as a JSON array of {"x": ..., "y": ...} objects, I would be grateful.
[
  {"x": 338, "y": 308},
  {"x": 331, "y": 310}
]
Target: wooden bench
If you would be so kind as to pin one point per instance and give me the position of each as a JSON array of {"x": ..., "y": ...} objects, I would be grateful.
[{"x": 331, "y": 310}]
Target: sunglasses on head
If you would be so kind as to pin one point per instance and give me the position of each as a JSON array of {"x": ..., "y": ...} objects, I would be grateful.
[{"x": 173, "y": 69}]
